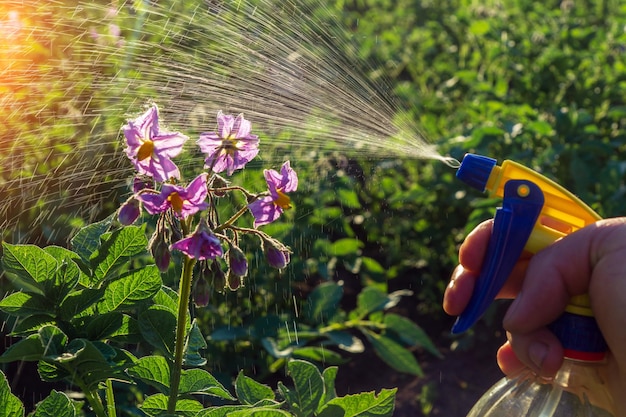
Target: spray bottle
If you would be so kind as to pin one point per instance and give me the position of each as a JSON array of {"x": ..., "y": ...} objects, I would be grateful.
[{"x": 535, "y": 213}]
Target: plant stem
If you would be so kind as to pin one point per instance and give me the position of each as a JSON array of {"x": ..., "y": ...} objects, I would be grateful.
[
  {"x": 110, "y": 398},
  {"x": 94, "y": 401},
  {"x": 181, "y": 328},
  {"x": 232, "y": 220}
]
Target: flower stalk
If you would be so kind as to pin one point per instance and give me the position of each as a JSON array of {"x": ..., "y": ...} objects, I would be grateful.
[{"x": 181, "y": 330}]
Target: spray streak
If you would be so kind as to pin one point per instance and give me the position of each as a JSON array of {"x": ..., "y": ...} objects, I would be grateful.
[{"x": 73, "y": 74}]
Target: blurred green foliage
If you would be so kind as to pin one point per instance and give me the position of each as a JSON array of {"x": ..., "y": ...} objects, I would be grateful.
[{"x": 542, "y": 83}]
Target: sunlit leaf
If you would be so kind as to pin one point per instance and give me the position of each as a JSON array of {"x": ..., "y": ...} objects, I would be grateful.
[
  {"x": 366, "y": 404},
  {"x": 87, "y": 240},
  {"x": 156, "y": 404},
  {"x": 308, "y": 386},
  {"x": 132, "y": 289},
  {"x": 57, "y": 404},
  {"x": 115, "y": 250},
  {"x": 199, "y": 381},
  {"x": 29, "y": 266},
  {"x": 11, "y": 405},
  {"x": 250, "y": 391}
]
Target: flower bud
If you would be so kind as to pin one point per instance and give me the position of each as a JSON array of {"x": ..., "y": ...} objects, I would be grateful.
[
  {"x": 141, "y": 183},
  {"x": 237, "y": 262},
  {"x": 276, "y": 253},
  {"x": 129, "y": 212},
  {"x": 234, "y": 281},
  {"x": 160, "y": 251},
  {"x": 217, "y": 275},
  {"x": 201, "y": 292},
  {"x": 219, "y": 182}
]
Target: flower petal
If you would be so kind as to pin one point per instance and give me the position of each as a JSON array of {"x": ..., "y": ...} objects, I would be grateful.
[{"x": 264, "y": 211}]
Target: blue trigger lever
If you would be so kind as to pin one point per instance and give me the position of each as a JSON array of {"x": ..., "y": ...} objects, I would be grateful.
[{"x": 512, "y": 226}]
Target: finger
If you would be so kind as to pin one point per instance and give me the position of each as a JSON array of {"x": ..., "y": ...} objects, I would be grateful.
[
  {"x": 459, "y": 291},
  {"x": 508, "y": 361},
  {"x": 540, "y": 351},
  {"x": 474, "y": 247},
  {"x": 563, "y": 270}
]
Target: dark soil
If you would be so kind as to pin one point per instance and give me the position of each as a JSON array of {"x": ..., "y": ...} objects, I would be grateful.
[{"x": 450, "y": 387}]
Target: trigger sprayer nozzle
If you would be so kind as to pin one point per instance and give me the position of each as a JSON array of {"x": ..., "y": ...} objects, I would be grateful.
[{"x": 475, "y": 170}]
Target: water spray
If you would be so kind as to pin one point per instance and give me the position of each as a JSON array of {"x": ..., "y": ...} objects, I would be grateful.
[{"x": 289, "y": 66}]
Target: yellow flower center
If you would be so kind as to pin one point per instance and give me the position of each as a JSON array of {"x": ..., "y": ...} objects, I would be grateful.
[
  {"x": 145, "y": 150},
  {"x": 176, "y": 201},
  {"x": 283, "y": 201}
]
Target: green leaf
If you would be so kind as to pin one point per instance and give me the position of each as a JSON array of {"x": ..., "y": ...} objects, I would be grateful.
[
  {"x": 28, "y": 349},
  {"x": 167, "y": 298},
  {"x": 53, "y": 341},
  {"x": 223, "y": 411},
  {"x": 132, "y": 289},
  {"x": 345, "y": 247},
  {"x": 194, "y": 344},
  {"x": 67, "y": 275},
  {"x": 410, "y": 333},
  {"x": 479, "y": 27},
  {"x": 32, "y": 324},
  {"x": 348, "y": 198},
  {"x": 329, "y": 375},
  {"x": 158, "y": 327},
  {"x": 52, "y": 371},
  {"x": 318, "y": 354},
  {"x": 260, "y": 412},
  {"x": 57, "y": 404},
  {"x": 308, "y": 385},
  {"x": 103, "y": 325},
  {"x": 11, "y": 405},
  {"x": 28, "y": 266},
  {"x": 78, "y": 301},
  {"x": 116, "y": 248},
  {"x": 87, "y": 240},
  {"x": 323, "y": 301},
  {"x": 371, "y": 299},
  {"x": 394, "y": 354},
  {"x": 250, "y": 391},
  {"x": 199, "y": 381},
  {"x": 23, "y": 304},
  {"x": 272, "y": 348},
  {"x": 346, "y": 341},
  {"x": 156, "y": 404},
  {"x": 128, "y": 332},
  {"x": 365, "y": 404},
  {"x": 154, "y": 371},
  {"x": 88, "y": 361}
]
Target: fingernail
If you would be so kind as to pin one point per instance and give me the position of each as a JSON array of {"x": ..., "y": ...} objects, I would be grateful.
[{"x": 537, "y": 353}]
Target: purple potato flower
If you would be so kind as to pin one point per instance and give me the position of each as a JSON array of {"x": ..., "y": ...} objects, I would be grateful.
[
  {"x": 267, "y": 209},
  {"x": 201, "y": 244},
  {"x": 150, "y": 149},
  {"x": 183, "y": 201},
  {"x": 231, "y": 147}
]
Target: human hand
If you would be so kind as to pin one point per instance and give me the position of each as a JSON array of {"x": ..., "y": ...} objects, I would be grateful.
[{"x": 591, "y": 260}]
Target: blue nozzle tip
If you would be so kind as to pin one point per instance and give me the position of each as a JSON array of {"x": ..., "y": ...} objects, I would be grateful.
[{"x": 475, "y": 170}]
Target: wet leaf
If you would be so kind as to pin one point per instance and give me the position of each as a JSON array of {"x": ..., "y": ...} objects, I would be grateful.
[
  {"x": 394, "y": 354},
  {"x": 29, "y": 267},
  {"x": 116, "y": 249},
  {"x": 156, "y": 404},
  {"x": 250, "y": 391}
]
